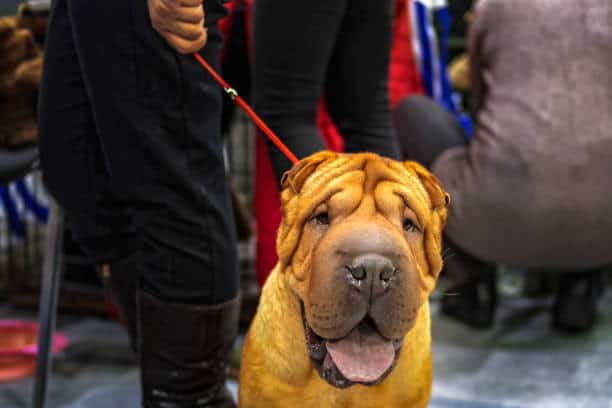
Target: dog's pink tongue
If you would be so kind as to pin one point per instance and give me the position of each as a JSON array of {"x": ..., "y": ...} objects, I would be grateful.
[{"x": 362, "y": 357}]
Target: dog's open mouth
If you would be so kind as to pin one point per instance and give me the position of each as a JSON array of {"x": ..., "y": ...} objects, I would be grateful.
[{"x": 363, "y": 356}]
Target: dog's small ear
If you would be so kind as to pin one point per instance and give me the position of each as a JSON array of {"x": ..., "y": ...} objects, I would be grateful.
[
  {"x": 295, "y": 177},
  {"x": 440, "y": 199}
]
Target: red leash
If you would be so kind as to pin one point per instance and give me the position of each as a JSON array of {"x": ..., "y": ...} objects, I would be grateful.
[{"x": 231, "y": 92}]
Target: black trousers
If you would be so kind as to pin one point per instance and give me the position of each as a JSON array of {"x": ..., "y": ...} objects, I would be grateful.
[
  {"x": 339, "y": 47},
  {"x": 425, "y": 130},
  {"x": 131, "y": 148}
]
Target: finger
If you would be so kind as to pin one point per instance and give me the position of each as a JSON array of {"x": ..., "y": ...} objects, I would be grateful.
[
  {"x": 190, "y": 14},
  {"x": 173, "y": 10},
  {"x": 189, "y": 3},
  {"x": 186, "y": 31},
  {"x": 184, "y": 46}
]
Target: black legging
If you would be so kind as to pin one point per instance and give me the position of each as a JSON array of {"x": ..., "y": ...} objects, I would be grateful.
[
  {"x": 425, "y": 130},
  {"x": 339, "y": 47}
]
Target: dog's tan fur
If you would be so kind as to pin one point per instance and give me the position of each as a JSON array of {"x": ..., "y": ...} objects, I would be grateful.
[{"x": 276, "y": 370}]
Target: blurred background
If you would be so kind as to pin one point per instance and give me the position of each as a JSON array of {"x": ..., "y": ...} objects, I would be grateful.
[{"x": 518, "y": 362}]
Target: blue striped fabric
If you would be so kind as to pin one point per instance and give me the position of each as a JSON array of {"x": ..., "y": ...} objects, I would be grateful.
[
  {"x": 30, "y": 202},
  {"x": 10, "y": 211},
  {"x": 431, "y": 54},
  {"x": 16, "y": 200},
  {"x": 427, "y": 44}
]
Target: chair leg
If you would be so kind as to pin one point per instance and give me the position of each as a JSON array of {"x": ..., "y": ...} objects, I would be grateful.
[{"x": 51, "y": 275}]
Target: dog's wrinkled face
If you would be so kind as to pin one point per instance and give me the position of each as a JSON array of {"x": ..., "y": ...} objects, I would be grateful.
[{"x": 360, "y": 245}]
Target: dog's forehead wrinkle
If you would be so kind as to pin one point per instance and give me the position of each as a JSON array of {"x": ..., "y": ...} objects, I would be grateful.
[
  {"x": 393, "y": 172},
  {"x": 331, "y": 169},
  {"x": 377, "y": 172}
]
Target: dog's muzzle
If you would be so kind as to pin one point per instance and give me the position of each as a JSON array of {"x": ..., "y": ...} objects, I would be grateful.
[{"x": 363, "y": 356}]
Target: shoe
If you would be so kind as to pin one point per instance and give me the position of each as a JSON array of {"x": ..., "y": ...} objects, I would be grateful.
[
  {"x": 471, "y": 297},
  {"x": 575, "y": 307},
  {"x": 539, "y": 283},
  {"x": 184, "y": 351},
  {"x": 473, "y": 303}
]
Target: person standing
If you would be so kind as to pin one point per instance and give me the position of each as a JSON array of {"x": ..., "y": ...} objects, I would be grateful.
[{"x": 131, "y": 150}]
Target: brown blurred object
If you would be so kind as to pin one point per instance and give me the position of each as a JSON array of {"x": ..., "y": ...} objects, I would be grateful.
[
  {"x": 35, "y": 21},
  {"x": 459, "y": 71},
  {"x": 16, "y": 46},
  {"x": 469, "y": 16},
  {"x": 20, "y": 71}
]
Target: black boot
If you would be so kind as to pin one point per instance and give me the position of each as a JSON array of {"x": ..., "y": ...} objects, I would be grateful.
[
  {"x": 184, "y": 351},
  {"x": 575, "y": 308},
  {"x": 471, "y": 297}
]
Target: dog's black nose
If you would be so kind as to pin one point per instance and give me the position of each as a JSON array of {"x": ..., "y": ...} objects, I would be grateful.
[{"x": 371, "y": 273}]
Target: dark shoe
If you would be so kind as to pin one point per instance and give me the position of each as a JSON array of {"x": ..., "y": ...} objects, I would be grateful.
[
  {"x": 575, "y": 308},
  {"x": 473, "y": 303},
  {"x": 184, "y": 352},
  {"x": 539, "y": 283},
  {"x": 471, "y": 297}
]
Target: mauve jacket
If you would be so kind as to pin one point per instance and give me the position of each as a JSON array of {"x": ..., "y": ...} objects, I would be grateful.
[{"x": 534, "y": 188}]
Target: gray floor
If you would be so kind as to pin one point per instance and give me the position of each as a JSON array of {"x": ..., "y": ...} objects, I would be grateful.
[
  {"x": 519, "y": 363},
  {"x": 522, "y": 363}
]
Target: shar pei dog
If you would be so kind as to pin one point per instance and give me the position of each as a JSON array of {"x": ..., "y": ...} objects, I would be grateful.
[{"x": 344, "y": 316}]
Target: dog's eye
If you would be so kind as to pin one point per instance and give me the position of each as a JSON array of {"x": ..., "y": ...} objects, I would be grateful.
[
  {"x": 321, "y": 218},
  {"x": 409, "y": 225}
]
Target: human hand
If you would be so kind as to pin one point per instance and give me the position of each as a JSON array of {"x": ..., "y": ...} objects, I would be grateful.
[{"x": 180, "y": 22}]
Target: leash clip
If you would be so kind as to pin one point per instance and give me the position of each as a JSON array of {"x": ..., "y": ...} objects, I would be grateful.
[{"x": 231, "y": 92}]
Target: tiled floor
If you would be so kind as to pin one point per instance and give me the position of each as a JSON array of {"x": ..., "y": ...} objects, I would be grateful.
[{"x": 519, "y": 363}]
